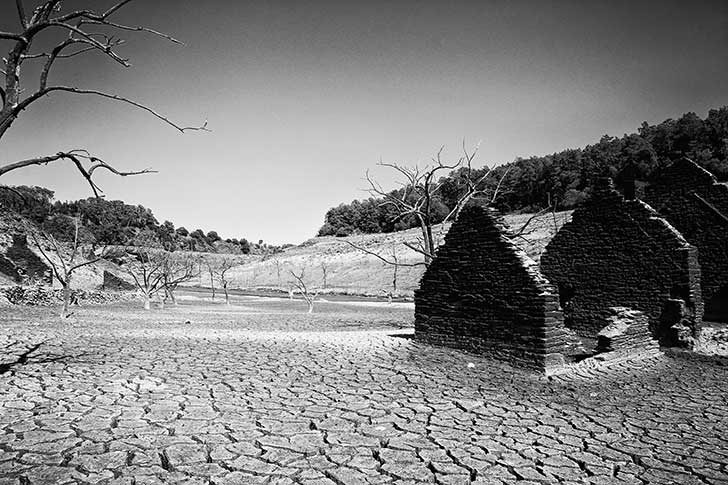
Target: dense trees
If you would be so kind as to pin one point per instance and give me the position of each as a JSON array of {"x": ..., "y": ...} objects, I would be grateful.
[
  {"x": 563, "y": 179},
  {"x": 111, "y": 222}
]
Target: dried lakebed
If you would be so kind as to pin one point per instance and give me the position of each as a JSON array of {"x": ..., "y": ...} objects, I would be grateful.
[{"x": 261, "y": 393}]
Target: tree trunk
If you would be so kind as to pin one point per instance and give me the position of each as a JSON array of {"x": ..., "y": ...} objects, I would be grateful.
[
  {"x": 212, "y": 285},
  {"x": 66, "y": 312},
  {"x": 310, "y": 306},
  {"x": 227, "y": 297},
  {"x": 147, "y": 301},
  {"x": 170, "y": 292}
]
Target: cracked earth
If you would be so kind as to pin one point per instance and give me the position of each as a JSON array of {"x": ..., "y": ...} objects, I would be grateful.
[{"x": 261, "y": 393}]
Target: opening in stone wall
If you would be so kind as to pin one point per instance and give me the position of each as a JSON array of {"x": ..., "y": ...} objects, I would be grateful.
[
  {"x": 680, "y": 292},
  {"x": 566, "y": 295},
  {"x": 716, "y": 309}
]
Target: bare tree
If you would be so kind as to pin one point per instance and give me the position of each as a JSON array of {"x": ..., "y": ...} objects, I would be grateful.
[
  {"x": 178, "y": 268},
  {"x": 324, "y": 274},
  {"x": 147, "y": 271},
  {"x": 300, "y": 284},
  {"x": 68, "y": 259},
  {"x": 82, "y": 31},
  {"x": 211, "y": 267},
  {"x": 420, "y": 187},
  {"x": 221, "y": 270}
]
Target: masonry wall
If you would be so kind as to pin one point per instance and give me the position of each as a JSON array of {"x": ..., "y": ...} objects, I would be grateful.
[
  {"x": 691, "y": 199},
  {"x": 482, "y": 293},
  {"x": 620, "y": 253}
]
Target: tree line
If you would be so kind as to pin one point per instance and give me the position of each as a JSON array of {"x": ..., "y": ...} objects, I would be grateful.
[
  {"x": 561, "y": 180},
  {"x": 114, "y": 222}
]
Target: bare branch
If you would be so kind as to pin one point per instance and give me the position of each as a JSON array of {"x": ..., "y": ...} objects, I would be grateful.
[
  {"x": 395, "y": 262},
  {"x": 76, "y": 157},
  {"x": 21, "y": 13},
  {"x": 133, "y": 28},
  {"x": 93, "y": 92},
  {"x": 420, "y": 250}
]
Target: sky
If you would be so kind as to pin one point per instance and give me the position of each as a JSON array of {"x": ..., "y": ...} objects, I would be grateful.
[{"x": 303, "y": 97}]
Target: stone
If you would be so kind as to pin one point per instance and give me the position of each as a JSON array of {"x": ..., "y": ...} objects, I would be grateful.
[{"x": 483, "y": 293}]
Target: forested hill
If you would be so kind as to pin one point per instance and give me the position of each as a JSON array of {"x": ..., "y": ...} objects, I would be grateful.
[
  {"x": 564, "y": 178},
  {"x": 115, "y": 222}
]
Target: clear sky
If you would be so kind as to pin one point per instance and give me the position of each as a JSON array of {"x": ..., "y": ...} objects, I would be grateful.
[{"x": 303, "y": 97}]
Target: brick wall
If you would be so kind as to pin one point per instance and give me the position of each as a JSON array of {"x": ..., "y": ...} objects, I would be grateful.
[
  {"x": 620, "y": 253},
  {"x": 691, "y": 199},
  {"x": 483, "y": 293}
]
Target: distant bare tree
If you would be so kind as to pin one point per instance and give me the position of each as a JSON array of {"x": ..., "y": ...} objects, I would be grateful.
[
  {"x": 277, "y": 263},
  {"x": 68, "y": 259},
  {"x": 146, "y": 265},
  {"x": 305, "y": 292},
  {"x": 178, "y": 268},
  {"x": 221, "y": 270},
  {"x": 211, "y": 267},
  {"x": 324, "y": 274},
  {"x": 417, "y": 195},
  {"x": 83, "y": 31}
]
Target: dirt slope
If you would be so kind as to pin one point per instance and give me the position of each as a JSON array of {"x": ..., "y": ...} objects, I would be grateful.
[{"x": 349, "y": 270}]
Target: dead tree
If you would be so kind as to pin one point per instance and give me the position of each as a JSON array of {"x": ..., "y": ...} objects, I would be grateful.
[
  {"x": 324, "y": 274},
  {"x": 300, "y": 284},
  {"x": 211, "y": 267},
  {"x": 80, "y": 32},
  {"x": 177, "y": 269},
  {"x": 147, "y": 270},
  {"x": 68, "y": 260},
  {"x": 420, "y": 187},
  {"x": 222, "y": 274}
]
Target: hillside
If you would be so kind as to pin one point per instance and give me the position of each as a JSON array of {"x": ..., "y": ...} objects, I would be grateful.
[
  {"x": 349, "y": 270},
  {"x": 17, "y": 251},
  {"x": 564, "y": 179}
]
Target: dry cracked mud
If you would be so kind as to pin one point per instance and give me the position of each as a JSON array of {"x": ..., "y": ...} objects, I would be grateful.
[{"x": 260, "y": 393}]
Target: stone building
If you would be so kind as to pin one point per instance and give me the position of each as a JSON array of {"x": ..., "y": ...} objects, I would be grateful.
[
  {"x": 483, "y": 293},
  {"x": 692, "y": 200},
  {"x": 621, "y": 253}
]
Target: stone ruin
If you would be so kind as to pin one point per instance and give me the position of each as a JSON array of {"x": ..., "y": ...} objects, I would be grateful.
[
  {"x": 620, "y": 253},
  {"x": 693, "y": 201},
  {"x": 115, "y": 283},
  {"x": 626, "y": 333},
  {"x": 482, "y": 293},
  {"x": 21, "y": 265},
  {"x": 618, "y": 275}
]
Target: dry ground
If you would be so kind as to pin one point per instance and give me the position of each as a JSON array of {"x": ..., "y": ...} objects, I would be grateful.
[{"x": 261, "y": 393}]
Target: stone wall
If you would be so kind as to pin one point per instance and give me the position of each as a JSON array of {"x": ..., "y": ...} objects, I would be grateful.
[
  {"x": 482, "y": 293},
  {"x": 115, "y": 283},
  {"x": 627, "y": 332},
  {"x": 691, "y": 199},
  {"x": 21, "y": 264},
  {"x": 620, "y": 253}
]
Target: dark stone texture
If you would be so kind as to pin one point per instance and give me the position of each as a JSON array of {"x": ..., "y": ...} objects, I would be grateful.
[
  {"x": 22, "y": 265},
  {"x": 621, "y": 253},
  {"x": 693, "y": 201},
  {"x": 627, "y": 332},
  {"x": 115, "y": 283},
  {"x": 483, "y": 293}
]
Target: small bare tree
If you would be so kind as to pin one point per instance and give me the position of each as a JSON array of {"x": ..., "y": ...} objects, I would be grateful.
[
  {"x": 211, "y": 268},
  {"x": 305, "y": 292},
  {"x": 178, "y": 268},
  {"x": 146, "y": 268},
  {"x": 70, "y": 259},
  {"x": 420, "y": 187},
  {"x": 83, "y": 31},
  {"x": 221, "y": 270},
  {"x": 324, "y": 274}
]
